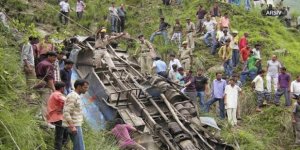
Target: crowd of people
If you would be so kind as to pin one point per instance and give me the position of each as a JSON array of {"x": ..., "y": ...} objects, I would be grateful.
[
  {"x": 235, "y": 52},
  {"x": 49, "y": 73},
  {"x": 44, "y": 63}
]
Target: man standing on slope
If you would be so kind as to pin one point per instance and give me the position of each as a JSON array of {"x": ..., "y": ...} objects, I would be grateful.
[
  {"x": 217, "y": 91},
  {"x": 162, "y": 30},
  {"x": 273, "y": 67},
  {"x": 190, "y": 31},
  {"x": 295, "y": 88},
  {"x": 146, "y": 52},
  {"x": 55, "y": 107},
  {"x": 114, "y": 18},
  {"x": 73, "y": 115},
  {"x": 231, "y": 101},
  {"x": 284, "y": 83},
  {"x": 64, "y": 12},
  {"x": 226, "y": 54},
  {"x": 28, "y": 62}
]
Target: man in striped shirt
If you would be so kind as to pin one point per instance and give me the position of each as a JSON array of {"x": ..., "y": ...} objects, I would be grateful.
[{"x": 73, "y": 115}]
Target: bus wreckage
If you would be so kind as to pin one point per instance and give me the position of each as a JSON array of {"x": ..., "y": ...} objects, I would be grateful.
[{"x": 165, "y": 117}]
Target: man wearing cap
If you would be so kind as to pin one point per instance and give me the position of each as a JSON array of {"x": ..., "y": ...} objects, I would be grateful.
[
  {"x": 162, "y": 30},
  {"x": 185, "y": 54},
  {"x": 235, "y": 48},
  {"x": 100, "y": 48},
  {"x": 160, "y": 67},
  {"x": 190, "y": 30},
  {"x": 146, "y": 53}
]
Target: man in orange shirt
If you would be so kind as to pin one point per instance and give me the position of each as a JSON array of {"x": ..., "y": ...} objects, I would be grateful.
[
  {"x": 55, "y": 114},
  {"x": 245, "y": 52}
]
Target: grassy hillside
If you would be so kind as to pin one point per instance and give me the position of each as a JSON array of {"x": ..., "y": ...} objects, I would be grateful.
[{"x": 268, "y": 130}]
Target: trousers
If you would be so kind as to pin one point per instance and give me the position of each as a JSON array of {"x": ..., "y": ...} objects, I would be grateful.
[
  {"x": 177, "y": 38},
  {"x": 113, "y": 23},
  {"x": 30, "y": 75},
  {"x": 61, "y": 135},
  {"x": 146, "y": 62},
  {"x": 63, "y": 17},
  {"x": 235, "y": 57},
  {"x": 228, "y": 67},
  {"x": 201, "y": 96},
  {"x": 221, "y": 106},
  {"x": 121, "y": 24},
  {"x": 102, "y": 53},
  {"x": 297, "y": 131},
  {"x": 271, "y": 79},
  {"x": 231, "y": 114},
  {"x": 190, "y": 39},
  {"x": 186, "y": 63},
  {"x": 285, "y": 92},
  {"x": 163, "y": 33},
  {"x": 44, "y": 95},
  {"x": 77, "y": 139}
]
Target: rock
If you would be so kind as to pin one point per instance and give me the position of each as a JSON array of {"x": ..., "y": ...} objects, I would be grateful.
[{"x": 216, "y": 68}]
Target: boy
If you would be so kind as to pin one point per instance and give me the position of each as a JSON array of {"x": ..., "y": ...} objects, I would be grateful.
[{"x": 258, "y": 85}]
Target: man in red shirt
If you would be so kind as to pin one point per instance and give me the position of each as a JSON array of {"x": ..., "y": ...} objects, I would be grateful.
[
  {"x": 245, "y": 52},
  {"x": 244, "y": 41},
  {"x": 55, "y": 114}
]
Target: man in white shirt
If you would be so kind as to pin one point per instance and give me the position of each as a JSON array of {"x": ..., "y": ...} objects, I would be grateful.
[
  {"x": 231, "y": 101},
  {"x": 210, "y": 26},
  {"x": 295, "y": 87},
  {"x": 27, "y": 62},
  {"x": 64, "y": 12},
  {"x": 258, "y": 84},
  {"x": 273, "y": 67},
  {"x": 172, "y": 73},
  {"x": 114, "y": 17},
  {"x": 256, "y": 51},
  {"x": 173, "y": 61}
]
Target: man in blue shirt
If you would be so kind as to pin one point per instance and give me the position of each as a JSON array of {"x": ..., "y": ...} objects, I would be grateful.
[
  {"x": 160, "y": 67},
  {"x": 217, "y": 94},
  {"x": 162, "y": 30},
  {"x": 121, "y": 13},
  {"x": 66, "y": 74}
]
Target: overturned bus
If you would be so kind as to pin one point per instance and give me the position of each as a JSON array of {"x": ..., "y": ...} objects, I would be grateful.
[{"x": 165, "y": 117}]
